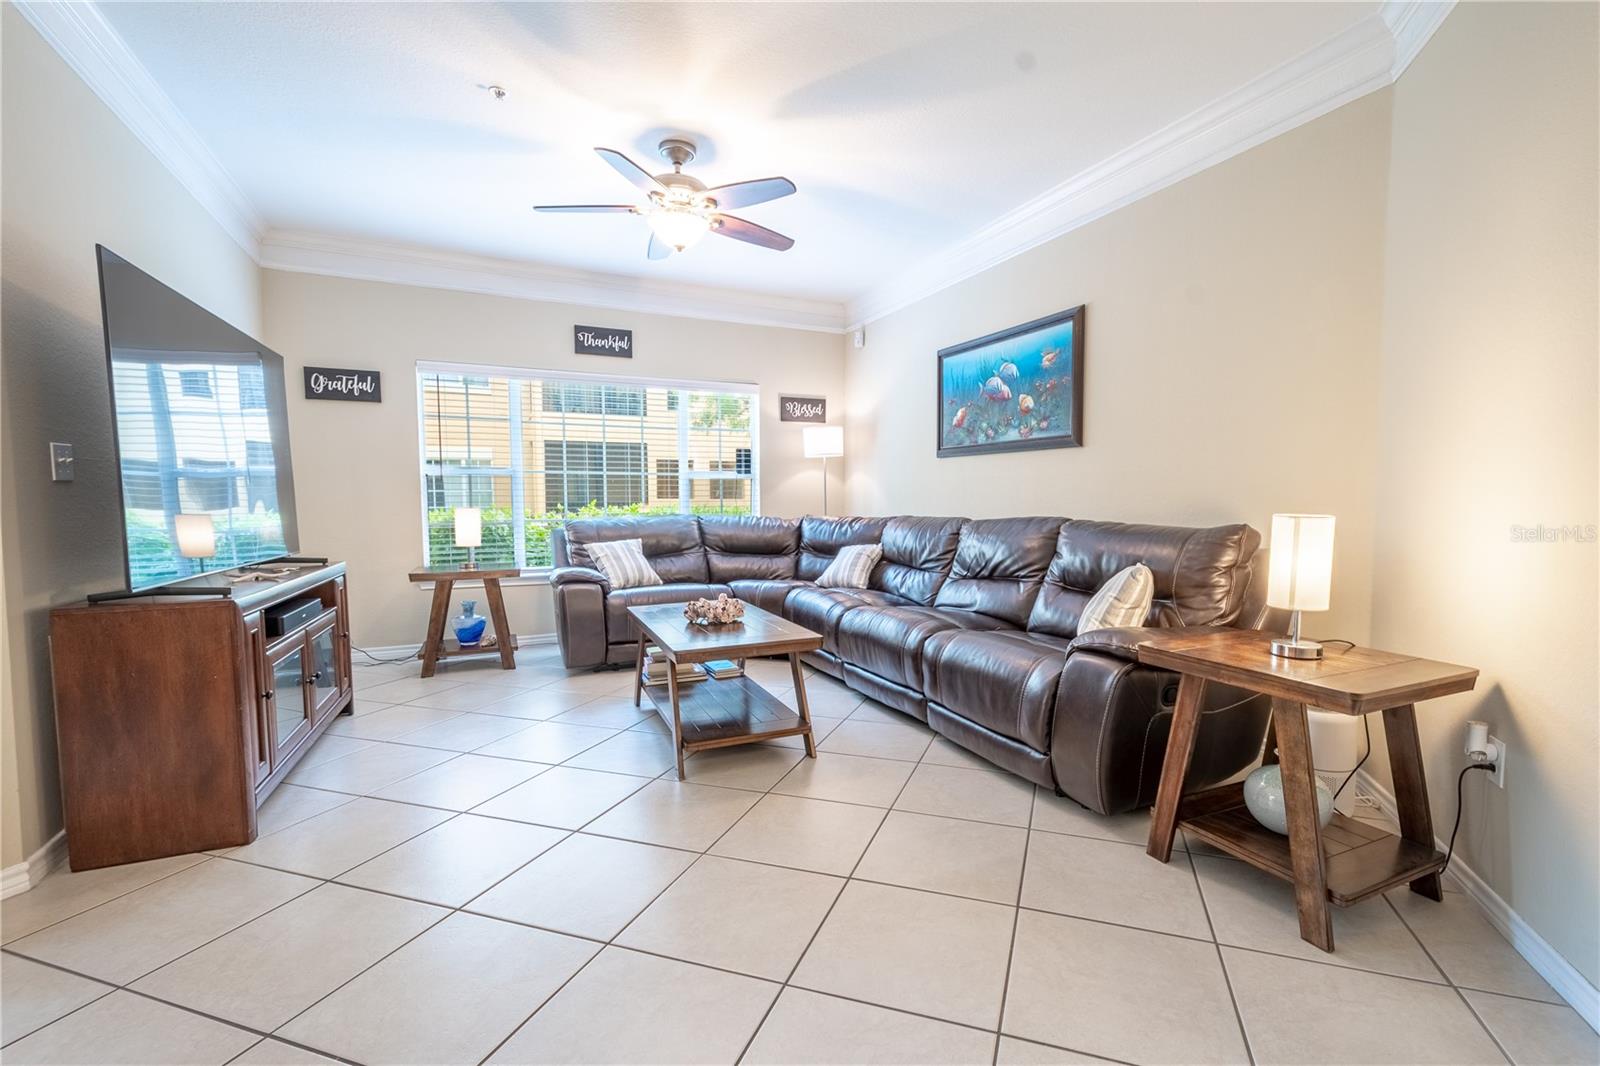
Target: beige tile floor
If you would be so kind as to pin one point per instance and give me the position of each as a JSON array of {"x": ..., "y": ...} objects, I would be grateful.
[{"x": 501, "y": 867}]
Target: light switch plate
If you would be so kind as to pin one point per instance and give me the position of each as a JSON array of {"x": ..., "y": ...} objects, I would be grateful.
[{"x": 60, "y": 461}]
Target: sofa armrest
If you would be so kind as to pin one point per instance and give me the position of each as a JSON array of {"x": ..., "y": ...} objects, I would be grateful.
[
  {"x": 1122, "y": 642},
  {"x": 568, "y": 575},
  {"x": 1111, "y": 722},
  {"x": 580, "y": 622}
]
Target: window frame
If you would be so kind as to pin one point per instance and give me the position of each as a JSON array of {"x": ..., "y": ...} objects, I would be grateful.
[{"x": 474, "y": 376}]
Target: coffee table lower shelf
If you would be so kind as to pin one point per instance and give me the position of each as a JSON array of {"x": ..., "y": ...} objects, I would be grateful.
[
  {"x": 1361, "y": 859},
  {"x": 719, "y": 712}
]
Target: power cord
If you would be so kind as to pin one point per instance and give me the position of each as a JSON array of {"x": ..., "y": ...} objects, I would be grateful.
[
  {"x": 1450, "y": 849},
  {"x": 1366, "y": 726},
  {"x": 373, "y": 660}
]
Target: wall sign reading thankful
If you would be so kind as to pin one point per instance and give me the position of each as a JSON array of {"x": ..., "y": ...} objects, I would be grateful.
[
  {"x": 328, "y": 383},
  {"x": 802, "y": 409},
  {"x": 602, "y": 340}
]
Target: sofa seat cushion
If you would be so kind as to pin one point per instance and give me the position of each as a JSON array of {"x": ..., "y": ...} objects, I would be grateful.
[
  {"x": 889, "y": 641},
  {"x": 1003, "y": 681},
  {"x": 819, "y": 610},
  {"x": 619, "y": 626},
  {"x": 767, "y": 594}
]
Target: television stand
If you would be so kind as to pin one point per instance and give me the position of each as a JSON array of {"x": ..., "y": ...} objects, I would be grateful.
[{"x": 177, "y": 714}]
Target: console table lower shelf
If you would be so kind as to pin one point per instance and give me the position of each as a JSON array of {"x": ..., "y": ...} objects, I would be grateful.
[
  {"x": 719, "y": 712},
  {"x": 1360, "y": 859}
]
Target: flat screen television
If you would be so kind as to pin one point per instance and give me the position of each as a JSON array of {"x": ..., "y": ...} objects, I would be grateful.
[{"x": 201, "y": 434}]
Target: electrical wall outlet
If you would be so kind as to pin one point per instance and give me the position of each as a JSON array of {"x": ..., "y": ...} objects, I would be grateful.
[
  {"x": 60, "y": 461},
  {"x": 1500, "y": 761}
]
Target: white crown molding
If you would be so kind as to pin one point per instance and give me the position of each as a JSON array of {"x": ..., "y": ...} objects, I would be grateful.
[
  {"x": 22, "y": 876},
  {"x": 404, "y": 265},
  {"x": 1360, "y": 60},
  {"x": 1564, "y": 977},
  {"x": 1412, "y": 24},
  {"x": 96, "y": 52}
]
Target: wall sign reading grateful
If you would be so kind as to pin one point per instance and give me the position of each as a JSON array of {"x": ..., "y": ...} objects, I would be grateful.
[
  {"x": 602, "y": 340},
  {"x": 802, "y": 409},
  {"x": 328, "y": 383}
]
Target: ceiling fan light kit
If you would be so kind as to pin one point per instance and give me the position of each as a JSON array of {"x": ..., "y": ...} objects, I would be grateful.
[{"x": 681, "y": 209}]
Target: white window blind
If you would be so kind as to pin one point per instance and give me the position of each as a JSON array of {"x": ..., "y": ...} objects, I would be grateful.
[{"x": 535, "y": 448}]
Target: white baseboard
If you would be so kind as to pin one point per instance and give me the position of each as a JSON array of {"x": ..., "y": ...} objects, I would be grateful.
[
  {"x": 1569, "y": 984},
  {"x": 395, "y": 651},
  {"x": 24, "y": 875}
]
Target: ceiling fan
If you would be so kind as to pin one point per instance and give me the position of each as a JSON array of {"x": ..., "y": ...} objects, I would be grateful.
[{"x": 681, "y": 209}]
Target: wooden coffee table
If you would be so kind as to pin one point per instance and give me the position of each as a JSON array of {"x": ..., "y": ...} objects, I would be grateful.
[
  {"x": 1347, "y": 861},
  {"x": 717, "y": 713}
]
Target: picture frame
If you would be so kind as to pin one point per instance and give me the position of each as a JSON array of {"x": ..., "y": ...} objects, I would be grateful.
[{"x": 1020, "y": 389}]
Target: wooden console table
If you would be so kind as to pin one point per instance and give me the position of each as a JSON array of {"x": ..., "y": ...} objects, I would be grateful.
[
  {"x": 1347, "y": 861},
  {"x": 437, "y": 646}
]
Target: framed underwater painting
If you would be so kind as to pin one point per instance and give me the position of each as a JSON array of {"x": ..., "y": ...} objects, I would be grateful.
[{"x": 1015, "y": 390}]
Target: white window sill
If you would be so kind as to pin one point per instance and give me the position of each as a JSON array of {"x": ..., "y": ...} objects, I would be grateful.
[{"x": 537, "y": 576}]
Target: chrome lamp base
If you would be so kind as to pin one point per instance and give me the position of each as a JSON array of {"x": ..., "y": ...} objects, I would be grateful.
[{"x": 1292, "y": 646}]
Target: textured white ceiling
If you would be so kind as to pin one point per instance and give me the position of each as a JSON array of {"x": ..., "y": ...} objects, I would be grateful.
[{"x": 906, "y": 126}]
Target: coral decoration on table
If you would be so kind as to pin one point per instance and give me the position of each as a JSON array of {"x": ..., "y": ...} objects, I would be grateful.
[{"x": 722, "y": 611}]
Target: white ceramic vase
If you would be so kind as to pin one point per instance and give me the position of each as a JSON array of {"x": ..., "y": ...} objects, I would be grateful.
[{"x": 1263, "y": 795}]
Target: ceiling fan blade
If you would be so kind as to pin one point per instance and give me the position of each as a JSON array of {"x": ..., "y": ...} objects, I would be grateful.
[
  {"x": 745, "y": 193},
  {"x": 636, "y": 174},
  {"x": 587, "y": 208},
  {"x": 658, "y": 248},
  {"x": 742, "y": 230}
]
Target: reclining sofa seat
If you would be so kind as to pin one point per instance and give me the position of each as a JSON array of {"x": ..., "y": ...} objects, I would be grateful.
[{"x": 968, "y": 625}]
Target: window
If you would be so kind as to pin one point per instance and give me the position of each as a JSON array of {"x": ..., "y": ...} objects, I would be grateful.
[
  {"x": 252, "y": 387},
  {"x": 534, "y": 450},
  {"x": 195, "y": 384}
]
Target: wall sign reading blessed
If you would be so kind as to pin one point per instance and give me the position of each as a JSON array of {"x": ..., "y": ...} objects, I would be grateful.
[
  {"x": 602, "y": 340},
  {"x": 802, "y": 409},
  {"x": 328, "y": 383}
]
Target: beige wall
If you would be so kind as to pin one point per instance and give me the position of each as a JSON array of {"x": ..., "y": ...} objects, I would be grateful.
[
  {"x": 73, "y": 176},
  {"x": 1488, "y": 414},
  {"x": 356, "y": 465},
  {"x": 1231, "y": 355}
]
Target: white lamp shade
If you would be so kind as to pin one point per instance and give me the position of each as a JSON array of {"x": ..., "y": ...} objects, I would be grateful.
[
  {"x": 824, "y": 442},
  {"x": 197, "y": 535},
  {"x": 1301, "y": 575},
  {"x": 469, "y": 527}
]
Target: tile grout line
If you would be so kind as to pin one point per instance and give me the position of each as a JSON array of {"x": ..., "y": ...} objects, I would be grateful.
[
  {"x": 843, "y": 888},
  {"x": 1016, "y": 922},
  {"x": 1216, "y": 946},
  {"x": 1460, "y": 995}
]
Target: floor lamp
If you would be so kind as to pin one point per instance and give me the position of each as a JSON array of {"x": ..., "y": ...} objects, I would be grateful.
[{"x": 824, "y": 442}]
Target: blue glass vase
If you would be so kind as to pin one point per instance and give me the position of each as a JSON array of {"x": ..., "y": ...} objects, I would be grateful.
[{"x": 469, "y": 625}]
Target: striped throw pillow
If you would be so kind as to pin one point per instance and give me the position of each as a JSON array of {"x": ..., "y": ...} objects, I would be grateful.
[
  {"x": 623, "y": 563},
  {"x": 1122, "y": 601},
  {"x": 851, "y": 568}
]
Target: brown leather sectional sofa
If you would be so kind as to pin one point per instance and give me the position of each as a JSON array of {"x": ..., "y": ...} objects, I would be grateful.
[{"x": 968, "y": 625}]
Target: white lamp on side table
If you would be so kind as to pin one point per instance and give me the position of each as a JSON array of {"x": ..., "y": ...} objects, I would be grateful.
[
  {"x": 824, "y": 442},
  {"x": 1300, "y": 576},
  {"x": 469, "y": 533},
  {"x": 197, "y": 536}
]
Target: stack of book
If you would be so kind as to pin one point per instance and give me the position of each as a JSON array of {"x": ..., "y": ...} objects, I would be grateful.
[
  {"x": 656, "y": 667},
  {"x": 721, "y": 668}
]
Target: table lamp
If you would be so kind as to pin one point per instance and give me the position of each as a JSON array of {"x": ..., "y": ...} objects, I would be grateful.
[
  {"x": 469, "y": 533},
  {"x": 1300, "y": 576},
  {"x": 197, "y": 535},
  {"x": 824, "y": 442}
]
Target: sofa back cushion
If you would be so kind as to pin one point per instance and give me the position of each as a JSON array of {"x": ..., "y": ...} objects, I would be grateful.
[
  {"x": 917, "y": 556},
  {"x": 671, "y": 543},
  {"x": 750, "y": 546},
  {"x": 999, "y": 566},
  {"x": 1201, "y": 575},
  {"x": 821, "y": 539}
]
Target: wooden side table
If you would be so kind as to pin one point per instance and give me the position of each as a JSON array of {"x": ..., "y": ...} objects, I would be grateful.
[
  {"x": 437, "y": 646},
  {"x": 1346, "y": 861}
]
